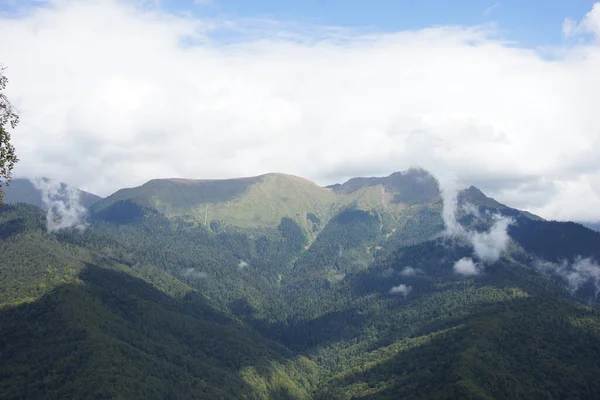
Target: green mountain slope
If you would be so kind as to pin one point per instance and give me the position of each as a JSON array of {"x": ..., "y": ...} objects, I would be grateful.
[
  {"x": 518, "y": 349},
  {"x": 358, "y": 301},
  {"x": 247, "y": 202},
  {"x": 114, "y": 336},
  {"x": 414, "y": 186},
  {"x": 261, "y": 202},
  {"x": 101, "y": 332}
]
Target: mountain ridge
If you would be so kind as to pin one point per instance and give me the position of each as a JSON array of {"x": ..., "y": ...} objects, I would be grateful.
[{"x": 360, "y": 300}]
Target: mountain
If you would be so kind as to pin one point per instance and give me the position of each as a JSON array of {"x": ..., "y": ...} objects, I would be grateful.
[
  {"x": 24, "y": 191},
  {"x": 246, "y": 202},
  {"x": 260, "y": 202},
  {"x": 70, "y": 326},
  {"x": 474, "y": 196},
  {"x": 287, "y": 290}
]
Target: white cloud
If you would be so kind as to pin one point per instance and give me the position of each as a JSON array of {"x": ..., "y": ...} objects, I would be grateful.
[
  {"x": 492, "y": 7},
  {"x": 449, "y": 185},
  {"x": 589, "y": 24},
  {"x": 243, "y": 264},
  {"x": 471, "y": 209},
  {"x": 465, "y": 266},
  {"x": 112, "y": 95},
  {"x": 488, "y": 246},
  {"x": 62, "y": 204},
  {"x": 401, "y": 289}
]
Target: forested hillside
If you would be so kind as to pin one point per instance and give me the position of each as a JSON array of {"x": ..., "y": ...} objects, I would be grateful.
[{"x": 363, "y": 293}]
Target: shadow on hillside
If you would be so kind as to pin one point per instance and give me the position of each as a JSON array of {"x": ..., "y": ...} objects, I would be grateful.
[
  {"x": 433, "y": 304},
  {"x": 526, "y": 348},
  {"x": 12, "y": 227},
  {"x": 355, "y": 324},
  {"x": 117, "y": 336}
]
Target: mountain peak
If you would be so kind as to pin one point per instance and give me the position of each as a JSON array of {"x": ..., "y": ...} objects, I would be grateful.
[{"x": 412, "y": 186}]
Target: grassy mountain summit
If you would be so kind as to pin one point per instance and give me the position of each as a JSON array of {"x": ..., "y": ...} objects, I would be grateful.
[
  {"x": 261, "y": 202},
  {"x": 245, "y": 202}
]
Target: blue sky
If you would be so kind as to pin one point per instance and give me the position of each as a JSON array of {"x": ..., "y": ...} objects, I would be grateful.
[{"x": 527, "y": 22}]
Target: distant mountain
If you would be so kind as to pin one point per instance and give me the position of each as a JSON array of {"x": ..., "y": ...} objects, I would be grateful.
[
  {"x": 261, "y": 202},
  {"x": 272, "y": 287},
  {"x": 23, "y": 191},
  {"x": 245, "y": 202}
]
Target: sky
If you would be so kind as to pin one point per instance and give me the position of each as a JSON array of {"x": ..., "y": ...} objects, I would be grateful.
[{"x": 501, "y": 95}]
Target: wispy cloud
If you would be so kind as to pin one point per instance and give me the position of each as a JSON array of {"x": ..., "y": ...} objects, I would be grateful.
[
  {"x": 488, "y": 11},
  {"x": 576, "y": 274}
]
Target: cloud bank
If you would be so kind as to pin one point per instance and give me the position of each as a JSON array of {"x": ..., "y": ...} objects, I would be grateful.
[{"x": 138, "y": 93}]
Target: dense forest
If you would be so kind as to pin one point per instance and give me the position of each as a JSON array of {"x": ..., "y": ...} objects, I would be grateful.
[{"x": 349, "y": 303}]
